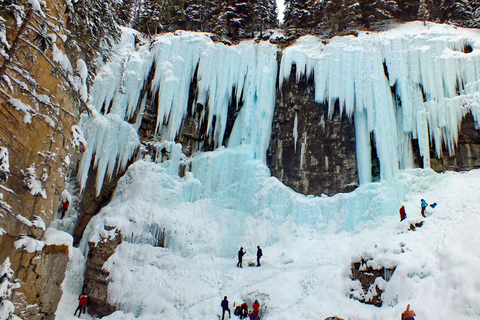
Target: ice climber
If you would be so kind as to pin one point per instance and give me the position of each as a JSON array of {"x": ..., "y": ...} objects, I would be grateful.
[
  {"x": 244, "y": 312},
  {"x": 259, "y": 255},
  {"x": 225, "y": 307},
  {"x": 82, "y": 304},
  {"x": 165, "y": 154},
  {"x": 65, "y": 204},
  {"x": 403, "y": 214},
  {"x": 408, "y": 314},
  {"x": 424, "y": 206},
  {"x": 240, "y": 257}
]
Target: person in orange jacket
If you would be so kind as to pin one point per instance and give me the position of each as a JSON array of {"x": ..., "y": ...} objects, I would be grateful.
[{"x": 408, "y": 314}]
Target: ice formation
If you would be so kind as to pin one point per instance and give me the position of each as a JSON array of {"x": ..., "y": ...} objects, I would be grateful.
[{"x": 413, "y": 82}]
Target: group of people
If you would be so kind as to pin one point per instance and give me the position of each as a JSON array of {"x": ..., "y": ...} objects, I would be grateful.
[
  {"x": 423, "y": 204},
  {"x": 241, "y": 310},
  {"x": 241, "y": 253}
]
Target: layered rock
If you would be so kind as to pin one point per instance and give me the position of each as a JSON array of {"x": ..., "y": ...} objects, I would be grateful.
[{"x": 35, "y": 123}]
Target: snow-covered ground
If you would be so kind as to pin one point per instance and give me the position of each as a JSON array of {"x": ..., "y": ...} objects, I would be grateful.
[{"x": 305, "y": 268}]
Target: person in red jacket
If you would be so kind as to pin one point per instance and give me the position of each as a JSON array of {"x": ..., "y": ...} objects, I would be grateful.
[
  {"x": 65, "y": 204},
  {"x": 403, "y": 214},
  {"x": 256, "y": 307},
  {"x": 244, "y": 312},
  {"x": 82, "y": 304}
]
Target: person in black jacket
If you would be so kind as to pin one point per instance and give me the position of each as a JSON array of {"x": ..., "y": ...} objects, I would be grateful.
[
  {"x": 225, "y": 307},
  {"x": 259, "y": 255},
  {"x": 240, "y": 257}
]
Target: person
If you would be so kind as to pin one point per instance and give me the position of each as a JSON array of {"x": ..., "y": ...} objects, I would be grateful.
[
  {"x": 244, "y": 312},
  {"x": 225, "y": 307},
  {"x": 165, "y": 154},
  {"x": 259, "y": 255},
  {"x": 256, "y": 307},
  {"x": 424, "y": 206},
  {"x": 82, "y": 304},
  {"x": 408, "y": 314},
  {"x": 240, "y": 257},
  {"x": 65, "y": 204},
  {"x": 403, "y": 214}
]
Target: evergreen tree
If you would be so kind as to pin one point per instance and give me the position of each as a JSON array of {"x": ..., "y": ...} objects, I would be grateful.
[
  {"x": 371, "y": 11},
  {"x": 297, "y": 13},
  {"x": 456, "y": 11},
  {"x": 94, "y": 27}
]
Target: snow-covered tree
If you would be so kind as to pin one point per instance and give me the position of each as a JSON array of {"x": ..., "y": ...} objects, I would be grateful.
[
  {"x": 298, "y": 13},
  {"x": 7, "y": 285},
  {"x": 93, "y": 26}
]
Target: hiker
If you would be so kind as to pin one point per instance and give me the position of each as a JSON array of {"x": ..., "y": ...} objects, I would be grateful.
[
  {"x": 240, "y": 257},
  {"x": 225, "y": 307},
  {"x": 424, "y": 206},
  {"x": 403, "y": 214},
  {"x": 259, "y": 255},
  {"x": 65, "y": 204},
  {"x": 82, "y": 304},
  {"x": 256, "y": 307},
  {"x": 165, "y": 154},
  {"x": 244, "y": 312},
  {"x": 408, "y": 314}
]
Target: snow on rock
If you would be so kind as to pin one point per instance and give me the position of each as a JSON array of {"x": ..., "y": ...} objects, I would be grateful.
[
  {"x": 4, "y": 164},
  {"x": 55, "y": 237},
  {"x": 29, "y": 244},
  {"x": 32, "y": 183},
  {"x": 7, "y": 285},
  {"x": 25, "y": 108}
]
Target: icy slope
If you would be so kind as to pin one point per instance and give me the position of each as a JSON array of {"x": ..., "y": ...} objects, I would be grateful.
[{"x": 304, "y": 274}]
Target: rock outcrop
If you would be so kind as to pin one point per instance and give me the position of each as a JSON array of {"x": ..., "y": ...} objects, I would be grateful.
[
  {"x": 36, "y": 116},
  {"x": 96, "y": 282},
  {"x": 309, "y": 151}
]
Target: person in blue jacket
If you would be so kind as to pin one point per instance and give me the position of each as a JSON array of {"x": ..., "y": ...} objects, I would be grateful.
[
  {"x": 225, "y": 307},
  {"x": 424, "y": 206}
]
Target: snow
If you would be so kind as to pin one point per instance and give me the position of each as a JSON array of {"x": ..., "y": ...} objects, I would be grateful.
[
  {"x": 25, "y": 108},
  {"x": 55, "y": 237},
  {"x": 308, "y": 243},
  {"x": 29, "y": 244},
  {"x": 229, "y": 198},
  {"x": 32, "y": 183},
  {"x": 4, "y": 164}
]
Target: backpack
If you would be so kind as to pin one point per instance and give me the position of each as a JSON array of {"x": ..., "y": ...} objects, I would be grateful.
[{"x": 238, "y": 311}]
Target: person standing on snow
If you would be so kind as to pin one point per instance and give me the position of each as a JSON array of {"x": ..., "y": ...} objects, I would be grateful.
[
  {"x": 256, "y": 307},
  {"x": 82, "y": 304},
  {"x": 403, "y": 214},
  {"x": 408, "y": 314},
  {"x": 259, "y": 255},
  {"x": 225, "y": 307},
  {"x": 240, "y": 257},
  {"x": 424, "y": 206}
]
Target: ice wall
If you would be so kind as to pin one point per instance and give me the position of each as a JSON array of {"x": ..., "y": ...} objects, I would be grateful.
[
  {"x": 413, "y": 82},
  {"x": 249, "y": 70}
]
